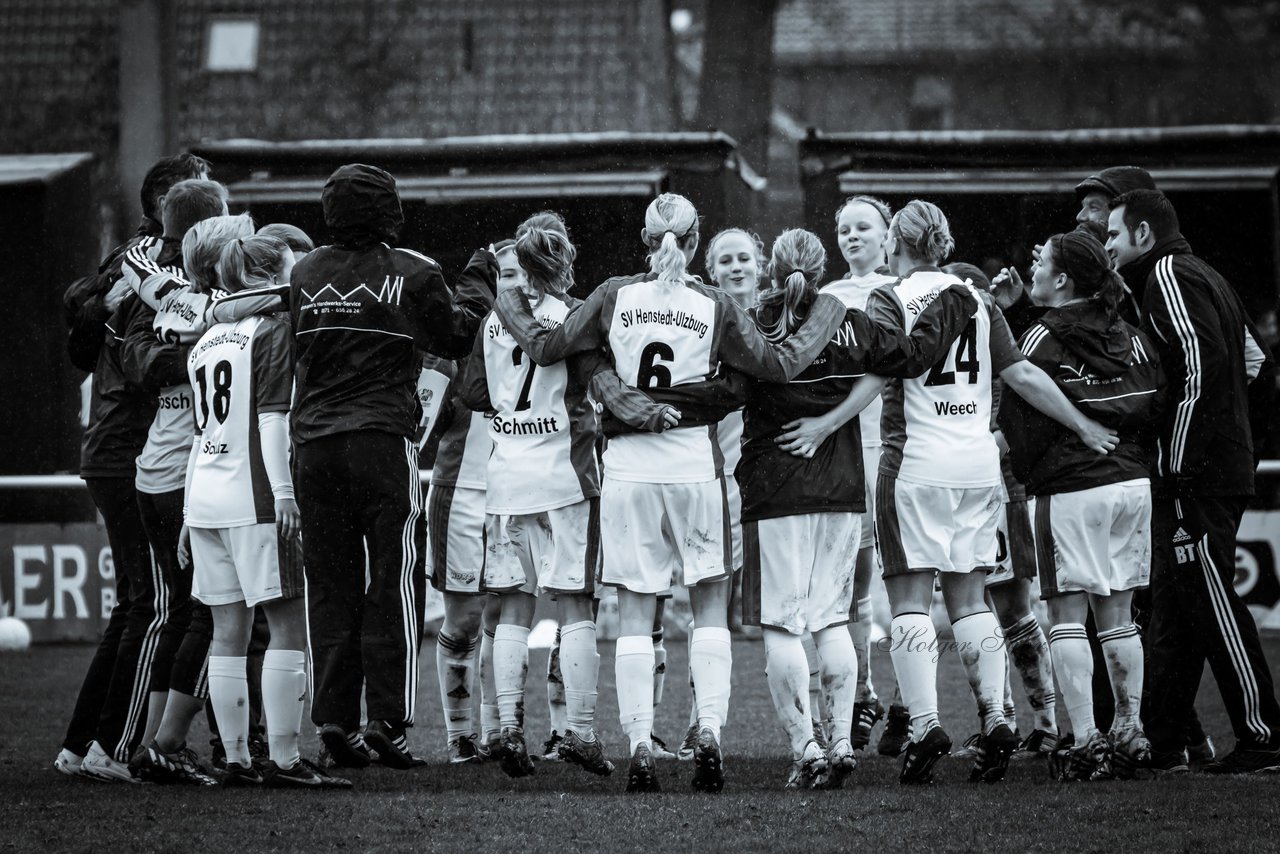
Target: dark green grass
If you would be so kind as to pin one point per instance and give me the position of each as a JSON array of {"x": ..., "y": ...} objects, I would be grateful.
[{"x": 477, "y": 808}]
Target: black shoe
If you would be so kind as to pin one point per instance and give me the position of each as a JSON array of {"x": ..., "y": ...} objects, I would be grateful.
[
  {"x": 1165, "y": 762},
  {"x": 708, "y": 763},
  {"x": 346, "y": 750},
  {"x": 865, "y": 716},
  {"x": 897, "y": 732},
  {"x": 392, "y": 746},
  {"x": 1246, "y": 760},
  {"x": 179, "y": 767},
  {"x": 217, "y": 754},
  {"x": 464, "y": 749},
  {"x": 551, "y": 747},
  {"x": 922, "y": 755},
  {"x": 514, "y": 758},
  {"x": 994, "y": 750},
  {"x": 1039, "y": 745},
  {"x": 587, "y": 754},
  {"x": 236, "y": 774},
  {"x": 303, "y": 775},
  {"x": 642, "y": 776}
]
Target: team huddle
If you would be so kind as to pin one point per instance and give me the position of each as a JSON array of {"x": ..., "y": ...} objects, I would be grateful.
[{"x": 258, "y": 426}]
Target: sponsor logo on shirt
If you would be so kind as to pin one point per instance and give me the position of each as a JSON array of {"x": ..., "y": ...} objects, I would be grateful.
[
  {"x": 174, "y": 401},
  {"x": 329, "y": 298}
]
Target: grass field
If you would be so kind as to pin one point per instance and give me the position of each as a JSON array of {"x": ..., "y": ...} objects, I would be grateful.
[{"x": 561, "y": 808}]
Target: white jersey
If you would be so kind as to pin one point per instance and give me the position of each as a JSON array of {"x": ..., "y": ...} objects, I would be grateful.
[
  {"x": 937, "y": 427},
  {"x": 729, "y": 435},
  {"x": 237, "y": 370},
  {"x": 162, "y": 465},
  {"x": 543, "y": 429},
  {"x": 463, "y": 457},
  {"x": 854, "y": 291}
]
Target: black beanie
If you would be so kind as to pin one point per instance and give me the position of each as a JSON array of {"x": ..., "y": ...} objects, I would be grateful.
[{"x": 1114, "y": 180}]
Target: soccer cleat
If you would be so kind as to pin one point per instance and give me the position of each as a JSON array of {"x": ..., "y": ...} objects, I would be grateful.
[
  {"x": 642, "y": 775},
  {"x": 820, "y": 734},
  {"x": 303, "y": 775},
  {"x": 1244, "y": 760},
  {"x": 491, "y": 750},
  {"x": 1088, "y": 761},
  {"x": 179, "y": 767},
  {"x": 588, "y": 754},
  {"x": 1038, "y": 745},
  {"x": 865, "y": 716},
  {"x": 345, "y": 750},
  {"x": 392, "y": 745},
  {"x": 1129, "y": 752},
  {"x": 841, "y": 762},
  {"x": 970, "y": 749},
  {"x": 689, "y": 745},
  {"x": 920, "y": 757},
  {"x": 708, "y": 763},
  {"x": 994, "y": 750},
  {"x": 218, "y": 753},
  {"x": 551, "y": 747},
  {"x": 1165, "y": 763},
  {"x": 463, "y": 749},
  {"x": 1060, "y": 758},
  {"x": 809, "y": 768},
  {"x": 513, "y": 755},
  {"x": 236, "y": 774},
  {"x": 1200, "y": 754},
  {"x": 660, "y": 750},
  {"x": 897, "y": 732},
  {"x": 69, "y": 763},
  {"x": 98, "y": 765}
]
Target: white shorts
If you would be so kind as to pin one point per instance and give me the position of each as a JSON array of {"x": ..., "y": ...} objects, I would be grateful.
[
  {"x": 1015, "y": 544},
  {"x": 921, "y": 528},
  {"x": 248, "y": 563},
  {"x": 870, "y": 465},
  {"x": 735, "y": 519},
  {"x": 463, "y": 540},
  {"x": 559, "y": 549},
  {"x": 1094, "y": 540},
  {"x": 798, "y": 574},
  {"x": 657, "y": 534}
]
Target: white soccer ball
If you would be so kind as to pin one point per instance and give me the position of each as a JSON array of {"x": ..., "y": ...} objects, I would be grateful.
[{"x": 14, "y": 635}]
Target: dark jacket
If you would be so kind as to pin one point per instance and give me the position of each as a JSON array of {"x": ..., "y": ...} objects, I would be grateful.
[
  {"x": 1110, "y": 371},
  {"x": 1200, "y": 328}
]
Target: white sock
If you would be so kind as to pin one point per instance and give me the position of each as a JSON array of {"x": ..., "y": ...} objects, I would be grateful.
[
  {"x": 693, "y": 690},
  {"x": 980, "y": 643},
  {"x": 712, "y": 666},
  {"x": 580, "y": 668},
  {"x": 914, "y": 651},
  {"x": 1029, "y": 652},
  {"x": 510, "y": 669},
  {"x": 787, "y": 670},
  {"x": 633, "y": 674},
  {"x": 229, "y": 695},
  {"x": 860, "y": 631},
  {"x": 284, "y": 694},
  {"x": 555, "y": 689},
  {"x": 1073, "y": 664},
  {"x": 1122, "y": 648},
  {"x": 838, "y": 658},
  {"x": 489, "y": 721},
  {"x": 1007, "y": 704},
  {"x": 659, "y": 667},
  {"x": 455, "y": 670},
  {"x": 816, "y": 706}
]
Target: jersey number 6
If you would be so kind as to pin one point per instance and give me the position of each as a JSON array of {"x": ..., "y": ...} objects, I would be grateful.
[{"x": 651, "y": 375}]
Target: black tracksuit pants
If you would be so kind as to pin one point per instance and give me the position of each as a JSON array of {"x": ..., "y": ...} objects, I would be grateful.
[
  {"x": 1197, "y": 615},
  {"x": 359, "y": 494},
  {"x": 162, "y": 520}
]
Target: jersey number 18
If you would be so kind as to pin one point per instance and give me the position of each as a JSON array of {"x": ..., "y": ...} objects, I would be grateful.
[{"x": 220, "y": 399}]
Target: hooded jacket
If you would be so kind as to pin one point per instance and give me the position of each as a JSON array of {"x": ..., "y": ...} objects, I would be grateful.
[
  {"x": 1107, "y": 368},
  {"x": 1209, "y": 355},
  {"x": 361, "y": 311}
]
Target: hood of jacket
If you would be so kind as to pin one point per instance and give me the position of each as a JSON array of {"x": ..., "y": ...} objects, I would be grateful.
[
  {"x": 361, "y": 206},
  {"x": 1101, "y": 342},
  {"x": 1136, "y": 272}
]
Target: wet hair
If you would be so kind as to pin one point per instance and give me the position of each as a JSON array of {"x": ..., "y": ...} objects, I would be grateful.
[
  {"x": 546, "y": 256},
  {"x": 549, "y": 220},
  {"x": 166, "y": 172},
  {"x": 796, "y": 265},
  {"x": 923, "y": 229},
  {"x": 963, "y": 270},
  {"x": 751, "y": 237},
  {"x": 882, "y": 207},
  {"x": 1085, "y": 262},
  {"x": 202, "y": 247},
  {"x": 190, "y": 201},
  {"x": 1150, "y": 206},
  {"x": 294, "y": 237},
  {"x": 670, "y": 226},
  {"x": 251, "y": 262}
]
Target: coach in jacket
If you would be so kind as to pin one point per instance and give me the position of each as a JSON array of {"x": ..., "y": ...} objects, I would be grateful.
[
  {"x": 1203, "y": 480},
  {"x": 361, "y": 311}
]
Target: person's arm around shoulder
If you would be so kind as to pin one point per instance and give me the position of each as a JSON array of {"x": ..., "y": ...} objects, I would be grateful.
[
  {"x": 743, "y": 347},
  {"x": 579, "y": 332}
]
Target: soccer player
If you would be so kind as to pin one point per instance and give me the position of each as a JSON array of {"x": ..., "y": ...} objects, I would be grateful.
[
  {"x": 663, "y": 496},
  {"x": 938, "y": 494},
  {"x": 801, "y": 522},
  {"x": 543, "y": 485},
  {"x": 1204, "y": 476},
  {"x": 1093, "y": 513},
  {"x": 361, "y": 311},
  {"x": 241, "y": 516}
]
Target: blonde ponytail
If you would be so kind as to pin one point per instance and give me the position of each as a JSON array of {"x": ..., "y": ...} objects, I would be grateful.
[
  {"x": 250, "y": 262},
  {"x": 795, "y": 267},
  {"x": 670, "y": 227}
]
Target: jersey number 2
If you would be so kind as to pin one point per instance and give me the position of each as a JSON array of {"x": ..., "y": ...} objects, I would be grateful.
[
  {"x": 966, "y": 359},
  {"x": 221, "y": 400},
  {"x": 517, "y": 356}
]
